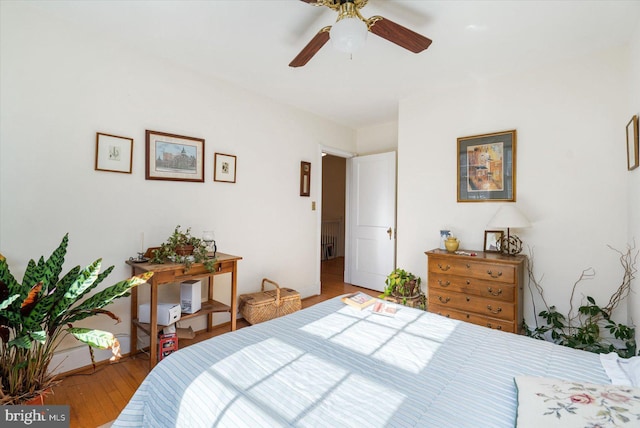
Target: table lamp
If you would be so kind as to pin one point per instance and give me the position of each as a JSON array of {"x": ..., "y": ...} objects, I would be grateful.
[{"x": 508, "y": 217}]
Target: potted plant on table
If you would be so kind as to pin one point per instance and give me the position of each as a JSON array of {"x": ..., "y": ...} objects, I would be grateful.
[
  {"x": 182, "y": 247},
  {"x": 37, "y": 313},
  {"x": 402, "y": 287}
]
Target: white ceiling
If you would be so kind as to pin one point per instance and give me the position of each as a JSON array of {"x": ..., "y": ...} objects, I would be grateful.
[{"x": 251, "y": 43}]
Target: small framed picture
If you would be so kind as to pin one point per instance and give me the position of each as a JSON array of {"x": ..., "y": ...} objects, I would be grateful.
[
  {"x": 113, "y": 153},
  {"x": 224, "y": 168},
  {"x": 305, "y": 178},
  {"x": 632, "y": 143},
  {"x": 492, "y": 240}
]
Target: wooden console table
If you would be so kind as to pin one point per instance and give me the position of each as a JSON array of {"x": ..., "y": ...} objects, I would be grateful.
[{"x": 175, "y": 273}]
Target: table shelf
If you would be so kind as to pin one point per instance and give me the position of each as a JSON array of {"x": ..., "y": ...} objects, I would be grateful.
[
  {"x": 210, "y": 306},
  {"x": 167, "y": 273}
]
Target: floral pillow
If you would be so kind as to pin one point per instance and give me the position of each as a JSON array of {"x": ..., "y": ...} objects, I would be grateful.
[{"x": 545, "y": 402}]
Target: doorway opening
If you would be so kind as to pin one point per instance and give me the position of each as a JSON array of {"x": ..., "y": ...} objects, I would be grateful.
[{"x": 332, "y": 230}]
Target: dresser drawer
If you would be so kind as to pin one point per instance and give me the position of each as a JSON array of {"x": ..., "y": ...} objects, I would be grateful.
[
  {"x": 494, "y": 323},
  {"x": 482, "y": 270},
  {"x": 478, "y": 305},
  {"x": 473, "y": 286}
]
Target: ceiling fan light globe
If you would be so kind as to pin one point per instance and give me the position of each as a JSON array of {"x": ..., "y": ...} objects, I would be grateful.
[{"x": 348, "y": 34}]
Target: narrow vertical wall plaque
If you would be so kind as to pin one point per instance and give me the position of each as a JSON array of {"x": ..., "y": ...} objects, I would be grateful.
[{"x": 305, "y": 178}]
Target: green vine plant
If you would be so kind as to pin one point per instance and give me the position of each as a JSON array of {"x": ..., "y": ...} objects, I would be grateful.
[
  {"x": 172, "y": 248},
  {"x": 404, "y": 285},
  {"x": 586, "y": 329}
]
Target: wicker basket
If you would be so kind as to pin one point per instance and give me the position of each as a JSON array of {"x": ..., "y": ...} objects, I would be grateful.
[{"x": 266, "y": 305}]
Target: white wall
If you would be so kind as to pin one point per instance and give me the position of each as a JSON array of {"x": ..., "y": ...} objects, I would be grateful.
[
  {"x": 60, "y": 86},
  {"x": 633, "y": 177},
  {"x": 379, "y": 138},
  {"x": 571, "y": 170}
]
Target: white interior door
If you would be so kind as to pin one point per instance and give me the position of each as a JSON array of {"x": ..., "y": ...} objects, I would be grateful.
[{"x": 372, "y": 219}]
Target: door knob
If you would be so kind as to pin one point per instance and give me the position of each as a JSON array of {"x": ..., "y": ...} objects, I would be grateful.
[{"x": 390, "y": 232}]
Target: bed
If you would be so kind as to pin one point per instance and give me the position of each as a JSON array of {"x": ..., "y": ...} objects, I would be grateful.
[{"x": 333, "y": 365}]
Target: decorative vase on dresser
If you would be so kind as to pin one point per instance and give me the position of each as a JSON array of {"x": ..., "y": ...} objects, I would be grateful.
[{"x": 484, "y": 288}]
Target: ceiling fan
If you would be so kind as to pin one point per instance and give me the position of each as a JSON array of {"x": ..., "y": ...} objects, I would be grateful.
[{"x": 350, "y": 31}]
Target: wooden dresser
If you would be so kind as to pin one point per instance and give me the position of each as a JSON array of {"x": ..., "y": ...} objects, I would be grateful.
[{"x": 485, "y": 289}]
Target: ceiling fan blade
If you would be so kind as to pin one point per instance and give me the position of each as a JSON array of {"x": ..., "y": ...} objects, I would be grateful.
[
  {"x": 312, "y": 48},
  {"x": 398, "y": 34}
]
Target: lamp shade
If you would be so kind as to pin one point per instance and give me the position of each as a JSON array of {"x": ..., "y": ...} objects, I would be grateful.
[
  {"x": 348, "y": 34},
  {"x": 508, "y": 216}
]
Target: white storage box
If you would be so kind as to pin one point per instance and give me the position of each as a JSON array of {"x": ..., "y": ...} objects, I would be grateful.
[
  {"x": 190, "y": 296},
  {"x": 168, "y": 313}
]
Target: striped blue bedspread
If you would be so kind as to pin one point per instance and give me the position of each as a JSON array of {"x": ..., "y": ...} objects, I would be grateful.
[{"x": 333, "y": 366}]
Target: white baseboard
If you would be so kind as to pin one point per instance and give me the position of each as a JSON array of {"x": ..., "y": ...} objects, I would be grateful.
[{"x": 78, "y": 357}]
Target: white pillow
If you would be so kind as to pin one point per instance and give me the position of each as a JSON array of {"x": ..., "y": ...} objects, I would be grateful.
[
  {"x": 546, "y": 402},
  {"x": 631, "y": 367},
  {"x": 621, "y": 371}
]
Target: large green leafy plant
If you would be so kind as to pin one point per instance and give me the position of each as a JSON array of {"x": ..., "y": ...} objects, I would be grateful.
[{"x": 37, "y": 313}]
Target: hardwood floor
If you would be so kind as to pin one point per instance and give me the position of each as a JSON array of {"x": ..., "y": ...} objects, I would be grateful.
[{"x": 96, "y": 398}]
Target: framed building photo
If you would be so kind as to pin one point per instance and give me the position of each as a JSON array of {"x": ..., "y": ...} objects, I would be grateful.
[
  {"x": 492, "y": 240},
  {"x": 487, "y": 167},
  {"x": 632, "y": 143},
  {"x": 224, "y": 168},
  {"x": 174, "y": 157},
  {"x": 305, "y": 178},
  {"x": 113, "y": 153}
]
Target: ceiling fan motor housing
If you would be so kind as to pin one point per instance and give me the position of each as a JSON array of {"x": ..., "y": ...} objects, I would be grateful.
[{"x": 349, "y": 32}]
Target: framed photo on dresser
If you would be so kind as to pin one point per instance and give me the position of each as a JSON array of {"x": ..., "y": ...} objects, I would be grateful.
[{"x": 492, "y": 240}]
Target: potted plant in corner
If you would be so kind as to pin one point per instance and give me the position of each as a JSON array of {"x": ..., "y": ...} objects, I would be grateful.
[
  {"x": 404, "y": 287},
  {"x": 37, "y": 313},
  {"x": 182, "y": 247}
]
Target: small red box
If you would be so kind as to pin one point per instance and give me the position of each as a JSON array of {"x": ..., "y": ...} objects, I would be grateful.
[{"x": 167, "y": 344}]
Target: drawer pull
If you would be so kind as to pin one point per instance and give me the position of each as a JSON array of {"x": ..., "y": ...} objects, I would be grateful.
[
  {"x": 499, "y": 327},
  {"x": 446, "y": 268},
  {"x": 498, "y": 275},
  {"x": 468, "y": 266},
  {"x": 445, "y": 300},
  {"x": 468, "y": 299},
  {"x": 443, "y": 284},
  {"x": 497, "y": 311},
  {"x": 468, "y": 282},
  {"x": 440, "y": 313},
  {"x": 497, "y": 293}
]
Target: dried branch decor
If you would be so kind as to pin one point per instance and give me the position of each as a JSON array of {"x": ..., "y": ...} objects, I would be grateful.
[{"x": 584, "y": 329}]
